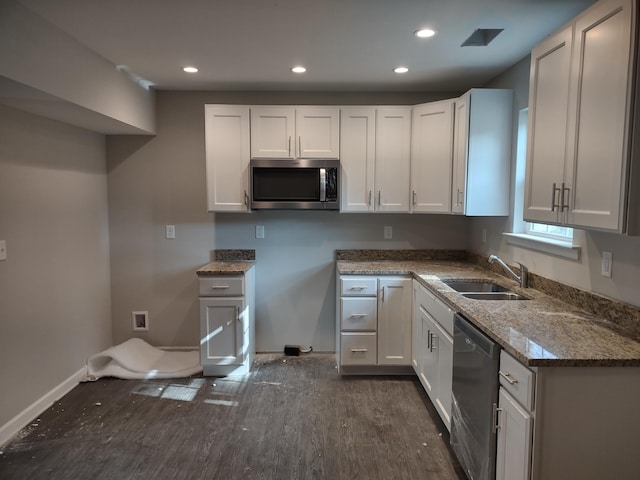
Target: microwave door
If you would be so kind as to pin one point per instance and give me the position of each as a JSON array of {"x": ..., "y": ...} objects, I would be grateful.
[{"x": 323, "y": 184}]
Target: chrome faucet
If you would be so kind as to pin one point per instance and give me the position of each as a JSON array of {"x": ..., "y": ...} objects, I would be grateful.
[{"x": 523, "y": 279}]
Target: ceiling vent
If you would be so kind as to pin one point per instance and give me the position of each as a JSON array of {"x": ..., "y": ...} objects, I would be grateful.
[{"x": 481, "y": 37}]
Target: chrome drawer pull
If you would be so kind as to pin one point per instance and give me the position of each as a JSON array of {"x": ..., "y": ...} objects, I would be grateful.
[
  {"x": 358, "y": 315},
  {"x": 356, "y": 287},
  {"x": 219, "y": 287},
  {"x": 508, "y": 378},
  {"x": 359, "y": 350}
]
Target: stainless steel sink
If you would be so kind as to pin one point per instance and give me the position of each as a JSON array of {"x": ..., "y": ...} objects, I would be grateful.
[
  {"x": 494, "y": 296},
  {"x": 470, "y": 286}
]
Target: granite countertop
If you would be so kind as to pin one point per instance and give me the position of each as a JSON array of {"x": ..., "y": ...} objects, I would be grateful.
[
  {"x": 541, "y": 332},
  {"x": 224, "y": 268},
  {"x": 228, "y": 262}
]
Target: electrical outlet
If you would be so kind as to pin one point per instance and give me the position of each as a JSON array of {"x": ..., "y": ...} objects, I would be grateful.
[
  {"x": 259, "y": 231},
  {"x": 388, "y": 232},
  {"x": 170, "y": 231},
  {"x": 3, "y": 249},
  {"x": 607, "y": 264}
]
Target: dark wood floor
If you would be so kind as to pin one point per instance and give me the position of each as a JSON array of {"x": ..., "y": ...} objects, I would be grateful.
[{"x": 291, "y": 418}]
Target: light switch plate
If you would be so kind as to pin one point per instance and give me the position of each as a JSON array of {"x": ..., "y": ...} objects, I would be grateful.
[
  {"x": 259, "y": 231},
  {"x": 170, "y": 231},
  {"x": 388, "y": 232},
  {"x": 3, "y": 249}
]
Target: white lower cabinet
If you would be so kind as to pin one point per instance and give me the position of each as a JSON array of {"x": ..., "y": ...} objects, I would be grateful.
[
  {"x": 513, "y": 456},
  {"x": 227, "y": 323},
  {"x": 373, "y": 322},
  {"x": 432, "y": 355}
]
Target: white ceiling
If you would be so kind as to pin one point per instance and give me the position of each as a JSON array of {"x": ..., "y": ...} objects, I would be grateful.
[{"x": 346, "y": 45}]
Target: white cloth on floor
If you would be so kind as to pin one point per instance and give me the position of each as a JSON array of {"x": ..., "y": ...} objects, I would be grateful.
[{"x": 136, "y": 359}]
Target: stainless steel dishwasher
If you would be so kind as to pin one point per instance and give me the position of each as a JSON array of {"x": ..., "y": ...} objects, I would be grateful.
[{"x": 475, "y": 396}]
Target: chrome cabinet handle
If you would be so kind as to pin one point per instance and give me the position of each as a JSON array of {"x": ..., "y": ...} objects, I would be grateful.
[
  {"x": 507, "y": 376},
  {"x": 219, "y": 287},
  {"x": 246, "y": 199},
  {"x": 433, "y": 347},
  {"x": 382, "y": 295},
  {"x": 359, "y": 350},
  {"x": 562, "y": 204},
  {"x": 369, "y": 203},
  {"x": 413, "y": 197},
  {"x": 357, "y": 287},
  {"x": 289, "y": 145},
  {"x": 379, "y": 197},
  {"x": 299, "y": 145},
  {"x": 359, "y": 315},
  {"x": 429, "y": 339},
  {"x": 554, "y": 189},
  {"x": 496, "y": 417}
]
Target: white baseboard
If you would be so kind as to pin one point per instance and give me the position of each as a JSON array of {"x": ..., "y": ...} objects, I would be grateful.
[{"x": 24, "y": 418}]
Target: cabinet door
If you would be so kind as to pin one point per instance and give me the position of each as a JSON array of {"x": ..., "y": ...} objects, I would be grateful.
[
  {"x": 547, "y": 129},
  {"x": 513, "y": 455},
  {"x": 416, "y": 330},
  {"x": 432, "y": 157},
  {"x": 222, "y": 329},
  {"x": 442, "y": 343},
  {"x": 357, "y": 157},
  {"x": 427, "y": 355},
  {"x": 598, "y": 116},
  {"x": 227, "y": 156},
  {"x": 273, "y": 132},
  {"x": 318, "y": 132},
  {"x": 394, "y": 321},
  {"x": 393, "y": 145},
  {"x": 460, "y": 150}
]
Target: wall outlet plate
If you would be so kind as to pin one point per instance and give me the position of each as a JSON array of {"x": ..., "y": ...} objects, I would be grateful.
[
  {"x": 607, "y": 264},
  {"x": 3, "y": 249},
  {"x": 388, "y": 232}
]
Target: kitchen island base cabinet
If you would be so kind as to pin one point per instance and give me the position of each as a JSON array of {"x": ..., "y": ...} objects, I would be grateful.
[{"x": 227, "y": 322}]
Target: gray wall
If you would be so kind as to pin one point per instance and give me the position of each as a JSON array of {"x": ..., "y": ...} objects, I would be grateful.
[
  {"x": 154, "y": 181},
  {"x": 54, "y": 285}
]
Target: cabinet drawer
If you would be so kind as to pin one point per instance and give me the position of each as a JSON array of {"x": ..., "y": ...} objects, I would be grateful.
[
  {"x": 359, "y": 286},
  {"x": 358, "y": 313},
  {"x": 225, "y": 286},
  {"x": 443, "y": 315},
  {"x": 358, "y": 348},
  {"x": 517, "y": 379}
]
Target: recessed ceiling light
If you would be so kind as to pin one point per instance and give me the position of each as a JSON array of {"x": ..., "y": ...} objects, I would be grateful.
[
  {"x": 424, "y": 33},
  {"x": 190, "y": 69},
  {"x": 298, "y": 69},
  {"x": 401, "y": 69}
]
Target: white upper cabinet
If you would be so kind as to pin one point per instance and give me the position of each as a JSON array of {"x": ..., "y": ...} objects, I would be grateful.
[
  {"x": 585, "y": 177},
  {"x": 375, "y": 159},
  {"x": 432, "y": 157},
  {"x": 357, "y": 158},
  {"x": 289, "y": 132},
  {"x": 393, "y": 145},
  {"x": 227, "y": 157},
  {"x": 482, "y": 153},
  {"x": 318, "y": 132},
  {"x": 547, "y": 130}
]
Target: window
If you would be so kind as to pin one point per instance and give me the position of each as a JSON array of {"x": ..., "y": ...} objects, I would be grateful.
[{"x": 550, "y": 231}]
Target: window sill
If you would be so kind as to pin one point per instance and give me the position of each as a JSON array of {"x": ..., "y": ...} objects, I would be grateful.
[{"x": 544, "y": 245}]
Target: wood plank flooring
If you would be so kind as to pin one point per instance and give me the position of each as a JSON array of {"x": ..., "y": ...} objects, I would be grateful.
[{"x": 290, "y": 418}]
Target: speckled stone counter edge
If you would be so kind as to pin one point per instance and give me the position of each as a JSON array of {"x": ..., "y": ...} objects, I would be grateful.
[{"x": 407, "y": 255}]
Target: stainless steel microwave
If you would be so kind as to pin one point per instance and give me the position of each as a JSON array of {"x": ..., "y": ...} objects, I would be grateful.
[{"x": 294, "y": 184}]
